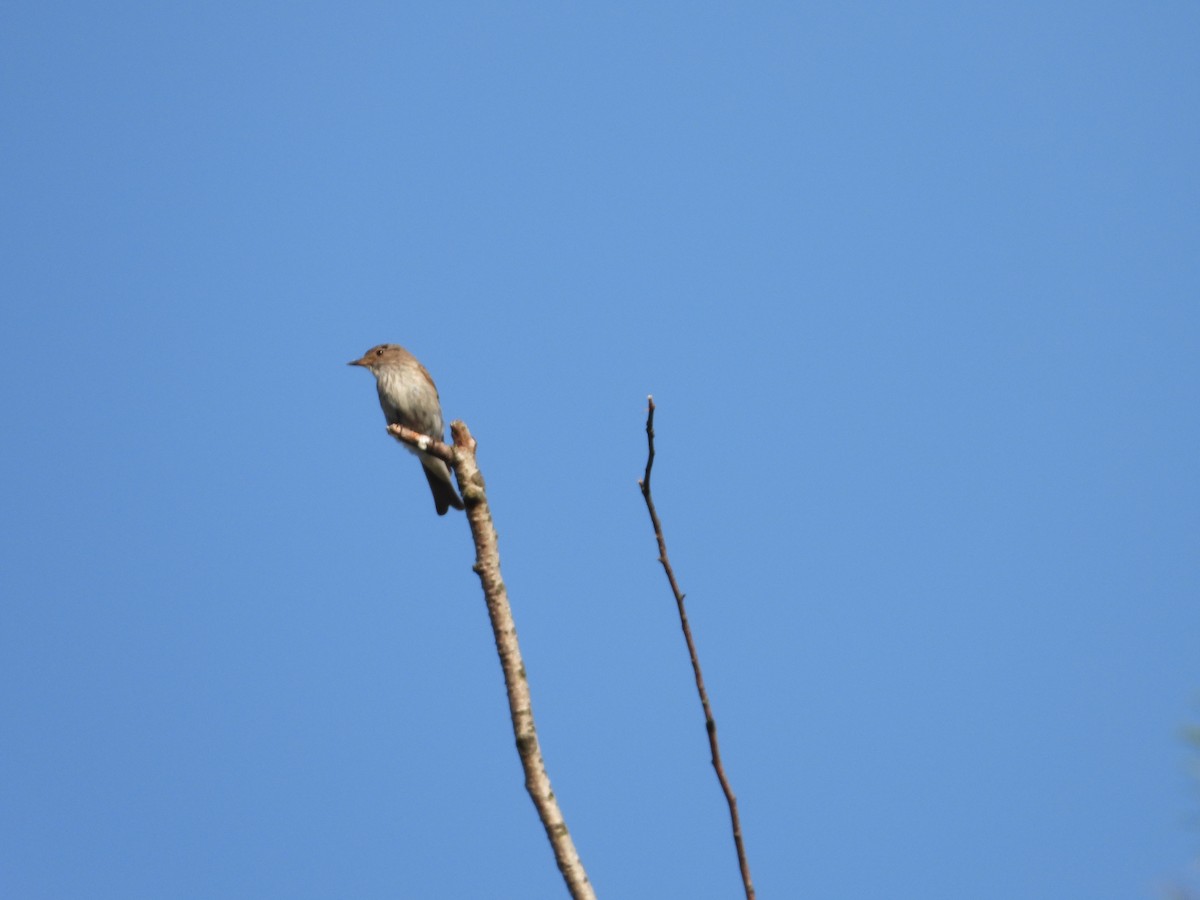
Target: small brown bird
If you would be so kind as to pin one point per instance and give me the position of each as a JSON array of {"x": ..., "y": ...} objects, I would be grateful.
[{"x": 410, "y": 398}]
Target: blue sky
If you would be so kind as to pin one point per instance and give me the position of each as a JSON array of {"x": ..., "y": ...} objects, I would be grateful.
[{"x": 916, "y": 290}]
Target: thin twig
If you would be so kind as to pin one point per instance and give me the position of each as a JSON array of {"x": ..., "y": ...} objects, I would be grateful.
[
  {"x": 487, "y": 566},
  {"x": 710, "y": 723}
]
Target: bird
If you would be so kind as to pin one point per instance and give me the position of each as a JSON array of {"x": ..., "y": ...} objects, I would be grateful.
[{"x": 409, "y": 397}]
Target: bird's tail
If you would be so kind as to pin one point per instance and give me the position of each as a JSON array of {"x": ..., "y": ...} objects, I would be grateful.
[{"x": 438, "y": 476}]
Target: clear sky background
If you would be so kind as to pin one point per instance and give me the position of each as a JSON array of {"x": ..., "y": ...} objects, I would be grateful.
[{"x": 917, "y": 291}]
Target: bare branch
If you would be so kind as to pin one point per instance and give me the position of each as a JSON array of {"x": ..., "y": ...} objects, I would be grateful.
[
  {"x": 710, "y": 723},
  {"x": 444, "y": 452},
  {"x": 461, "y": 458}
]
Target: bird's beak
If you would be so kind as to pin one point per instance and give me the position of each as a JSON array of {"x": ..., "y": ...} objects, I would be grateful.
[{"x": 356, "y": 362}]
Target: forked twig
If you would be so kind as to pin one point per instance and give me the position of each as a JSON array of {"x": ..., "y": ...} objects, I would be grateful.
[
  {"x": 461, "y": 457},
  {"x": 710, "y": 723}
]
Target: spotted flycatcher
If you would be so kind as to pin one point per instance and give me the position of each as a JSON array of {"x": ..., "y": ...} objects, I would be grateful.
[{"x": 409, "y": 398}]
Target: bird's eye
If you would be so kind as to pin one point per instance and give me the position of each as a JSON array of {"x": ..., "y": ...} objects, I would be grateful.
[{"x": 379, "y": 352}]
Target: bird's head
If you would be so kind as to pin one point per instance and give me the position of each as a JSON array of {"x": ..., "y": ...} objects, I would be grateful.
[{"x": 382, "y": 356}]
